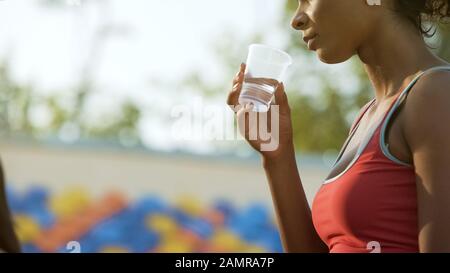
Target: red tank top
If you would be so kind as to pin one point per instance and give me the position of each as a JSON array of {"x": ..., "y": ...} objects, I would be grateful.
[{"x": 372, "y": 205}]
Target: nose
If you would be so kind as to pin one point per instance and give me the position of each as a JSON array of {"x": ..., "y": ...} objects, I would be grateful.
[{"x": 299, "y": 21}]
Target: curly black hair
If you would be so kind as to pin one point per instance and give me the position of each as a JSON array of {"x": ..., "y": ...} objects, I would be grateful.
[{"x": 419, "y": 11}]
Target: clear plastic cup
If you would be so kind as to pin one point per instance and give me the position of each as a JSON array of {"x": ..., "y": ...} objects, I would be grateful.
[{"x": 266, "y": 67}]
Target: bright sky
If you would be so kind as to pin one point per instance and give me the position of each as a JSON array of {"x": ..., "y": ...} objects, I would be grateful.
[{"x": 164, "y": 38}]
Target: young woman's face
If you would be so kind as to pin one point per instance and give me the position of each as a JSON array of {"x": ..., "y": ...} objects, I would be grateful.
[{"x": 339, "y": 27}]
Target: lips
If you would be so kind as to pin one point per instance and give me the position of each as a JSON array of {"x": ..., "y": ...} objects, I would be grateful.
[{"x": 309, "y": 37}]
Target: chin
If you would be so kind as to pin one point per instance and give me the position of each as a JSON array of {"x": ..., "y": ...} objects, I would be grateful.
[{"x": 331, "y": 57}]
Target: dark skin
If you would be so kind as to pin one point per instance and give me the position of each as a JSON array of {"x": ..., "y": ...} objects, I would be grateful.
[
  {"x": 393, "y": 52},
  {"x": 8, "y": 239}
]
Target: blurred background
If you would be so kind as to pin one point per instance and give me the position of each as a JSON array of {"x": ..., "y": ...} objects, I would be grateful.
[{"x": 90, "y": 96}]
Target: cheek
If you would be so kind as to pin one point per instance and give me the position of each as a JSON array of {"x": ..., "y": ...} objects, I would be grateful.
[
  {"x": 333, "y": 49},
  {"x": 339, "y": 28},
  {"x": 338, "y": 42}
]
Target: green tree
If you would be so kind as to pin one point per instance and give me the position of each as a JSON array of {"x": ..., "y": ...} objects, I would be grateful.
[{"x": 68, "y": 108}]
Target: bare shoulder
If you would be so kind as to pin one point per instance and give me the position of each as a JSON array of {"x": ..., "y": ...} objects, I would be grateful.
[
  {"x": 427, "y": 107},
  {"x": 434, "y": 83}
]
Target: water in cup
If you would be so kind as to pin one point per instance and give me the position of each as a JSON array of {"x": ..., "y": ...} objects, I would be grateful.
[{"x": 259, "y": 91}]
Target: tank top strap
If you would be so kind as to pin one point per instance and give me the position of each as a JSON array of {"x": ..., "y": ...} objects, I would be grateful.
[
  {"x": 395, "y": 105},
  {"x": 363, "y": 111},
  {"x": 353, "y": 128},
  {"x": 402, "y": 95},
  {"x": 382, "y": 124}
]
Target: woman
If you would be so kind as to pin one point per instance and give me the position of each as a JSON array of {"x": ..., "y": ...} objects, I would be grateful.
[
  {"x": 389, "y": 190},
  {"x": 8, "y": 240}
]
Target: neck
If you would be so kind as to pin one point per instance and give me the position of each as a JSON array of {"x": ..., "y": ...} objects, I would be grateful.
[{"x": 393, "y": 57}]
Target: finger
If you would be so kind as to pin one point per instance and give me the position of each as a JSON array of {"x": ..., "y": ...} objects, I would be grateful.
[
  {"x": 281, "y": 98},
  {"x": 243, "y": 121},
  {"x": 233, "y": 96},
  {"x": 239, "y": 77},
  {"x": 263, "y": 126},
  {"x": 243, "y": 67}
]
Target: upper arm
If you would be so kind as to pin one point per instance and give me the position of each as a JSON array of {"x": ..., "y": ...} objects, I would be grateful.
[{"x": 427, "y": 132}]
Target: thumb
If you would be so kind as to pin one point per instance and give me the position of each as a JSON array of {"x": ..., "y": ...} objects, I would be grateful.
[{"x": 281, "y": 98}]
